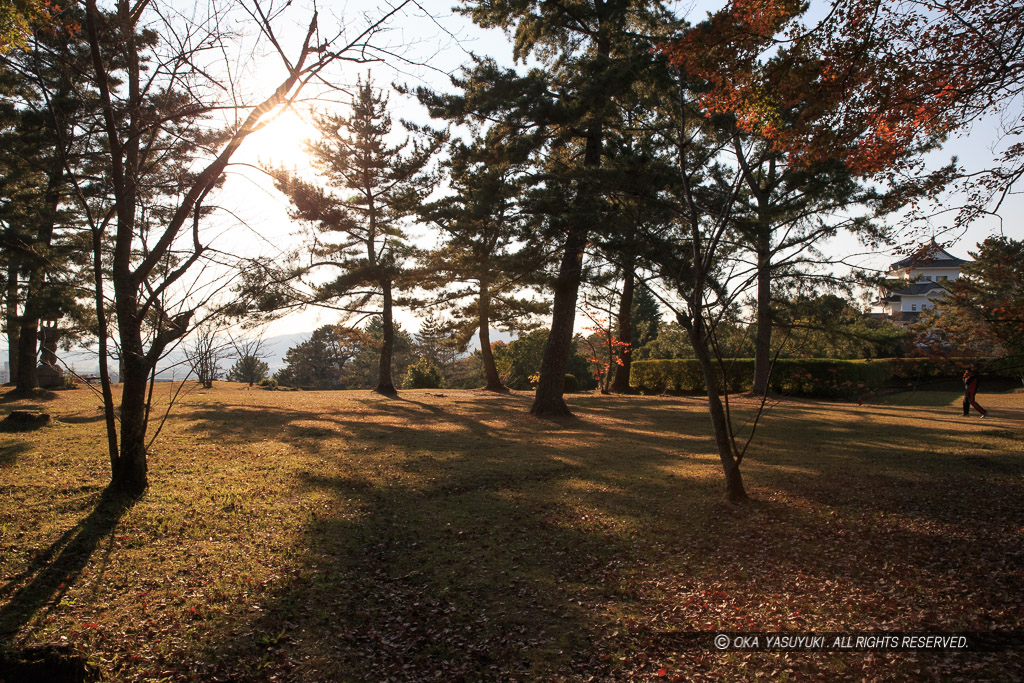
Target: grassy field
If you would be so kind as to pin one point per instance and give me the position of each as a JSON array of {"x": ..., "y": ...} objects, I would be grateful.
[{"x": 448, "y": 535}]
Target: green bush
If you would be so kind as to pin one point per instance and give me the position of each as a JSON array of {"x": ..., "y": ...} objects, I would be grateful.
[
  {"x": 423, "y": 375},
  {"x": 572, "y": 385},
  {"x": 268, "y": 383},
  {"x": 824, "y": 377},
  {"x": 685, "y": 375}
]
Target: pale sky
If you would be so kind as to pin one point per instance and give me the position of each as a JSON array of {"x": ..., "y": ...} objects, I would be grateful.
[{"x": 433, "y": 48}]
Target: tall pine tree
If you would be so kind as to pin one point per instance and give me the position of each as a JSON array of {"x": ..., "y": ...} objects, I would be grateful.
[
  {"x": 46, "y": 141},
  {"x": 482, "y": 263},
  {"x": 593, "y": 53},
  {"x": 372, "y": 187}
]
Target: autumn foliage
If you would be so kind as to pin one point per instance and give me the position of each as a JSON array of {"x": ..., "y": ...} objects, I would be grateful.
[
  {"x": 604, "y": 350},
  {"x": 872, "y": 83}
]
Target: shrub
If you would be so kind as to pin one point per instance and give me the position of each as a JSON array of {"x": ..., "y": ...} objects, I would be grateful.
[
  {"x": 423, "y": 375},
  {"x": 268, "y": 383},
  {"x": 572, "y": 385},
  {"x": 822, "y": 377}
]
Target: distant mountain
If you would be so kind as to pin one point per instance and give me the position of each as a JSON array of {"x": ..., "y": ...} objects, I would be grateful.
[
  {"x": 276, "y": 347},
  {"x": 174, "y": 365}
]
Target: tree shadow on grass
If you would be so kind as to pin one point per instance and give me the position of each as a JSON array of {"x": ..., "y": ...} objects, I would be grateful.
[
  {"x": 58, "y": 567},
  {"x": 35, "y": 395},
  {"x": 514, "y": 559},
  {"x": 9, "y": 453},
  {"x": 457, "y": 543},
  {"x": 470, "y": 558}
]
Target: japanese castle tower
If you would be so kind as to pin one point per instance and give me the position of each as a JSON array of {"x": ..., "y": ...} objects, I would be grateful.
[{"x": 921, "y": 277}]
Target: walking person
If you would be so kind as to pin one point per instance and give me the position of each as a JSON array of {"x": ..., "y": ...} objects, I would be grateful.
[{"x": 971, "y": 390}]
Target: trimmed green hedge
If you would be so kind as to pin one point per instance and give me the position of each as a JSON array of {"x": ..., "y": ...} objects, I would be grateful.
[
  {"x": 797, "y": 376},
  {"x": 822, "y": 377}
]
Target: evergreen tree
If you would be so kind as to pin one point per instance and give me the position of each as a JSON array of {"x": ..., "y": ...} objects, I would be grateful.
[
  {"x": 989, "y": 296},
  {"x": 320, "y": 361},
  {"x": 593, "y": 53},
  {"x": 435, "y": 342},
  {"x": 633, "y": 171},
  {"x": 363, "y": 372},
  {"x": 249, "y": 366},
  {"x": 789, "y": 208},
  {"x": 481, "y": 263},
  {"x": 248, "y": 369},
  {"x": 645, "y": 316},
  {"x": 372, "y": 188},
  {"x": 423, "y": 374},
  {"x": 45, "y": 142}
]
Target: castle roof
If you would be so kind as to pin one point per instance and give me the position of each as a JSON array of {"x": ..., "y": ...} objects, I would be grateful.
[
  {"x": 919, "y": 288},
  {"x": 929, "y": 255}
]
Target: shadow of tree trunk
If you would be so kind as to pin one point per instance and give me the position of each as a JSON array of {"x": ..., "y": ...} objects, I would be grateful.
[{"x": 55, "y": 570}]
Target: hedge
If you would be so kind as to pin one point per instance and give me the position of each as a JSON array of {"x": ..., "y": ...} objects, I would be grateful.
[{"x": 821, "y": 377}]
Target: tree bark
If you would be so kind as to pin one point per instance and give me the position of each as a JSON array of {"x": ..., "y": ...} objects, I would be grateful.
[
  {"x": 734, "y": 490},
  {"x": 13, "y": 329},
  {"x": 103, "y": 338},
  {"x": 385, "y": 385},
  {"x": 28, "y": 346},
  {"x": 763, "y": 341},
  {"x": 484, "y": 313},
  {"x": 548, "y": 401},
  {"x": 620, "y": 385},
  {"x": 28, "y": 341},
  {"x": 129, "y": 475}
]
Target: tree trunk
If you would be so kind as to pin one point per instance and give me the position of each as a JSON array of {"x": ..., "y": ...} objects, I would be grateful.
[
  {"x": 129, "y": 474},
  {"x": 13, "y": 329},
  {"x": 484, "y": 313},
  {"x": 129, "y": 469},
  {"x": 385, "y": 385},
  {"x": 28, "y": 342},
  {"x": 734, "y": 490},
  {"x": 548, "y": 400},
  {"x": 620, "y": 385},
  {"x": 103, "y": 337},
  {"x": 28, "y": 346},
  {"x": 763, "y": 341}
]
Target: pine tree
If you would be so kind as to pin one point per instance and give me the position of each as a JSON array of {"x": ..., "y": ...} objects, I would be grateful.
[
  {"x": 593, "y": 53},
  {"x": 248, "y": 369},
  {"x": 789, "y": 208},
  {"x": 481, "y": 264},
  {"x": 372, "y": 187},
  {"x": 45, "y": 142},
  {"x": 320, "y": 361},
  {"x": 435, "y": 342}
]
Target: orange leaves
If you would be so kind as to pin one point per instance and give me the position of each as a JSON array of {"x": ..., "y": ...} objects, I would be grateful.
[{"x": 873, "y": 84}]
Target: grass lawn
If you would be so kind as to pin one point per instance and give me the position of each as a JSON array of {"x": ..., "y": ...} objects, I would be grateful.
[{"x": 448, "y": 535}]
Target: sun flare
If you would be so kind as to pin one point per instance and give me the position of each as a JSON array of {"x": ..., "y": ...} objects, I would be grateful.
[{"x": 283, "y": 141}]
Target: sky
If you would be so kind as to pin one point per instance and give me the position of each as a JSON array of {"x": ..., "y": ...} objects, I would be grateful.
[
  {"x": 424, "y": 51},
  {"x": 430, "y": 48},
  {"x": 435, "y": 47}
]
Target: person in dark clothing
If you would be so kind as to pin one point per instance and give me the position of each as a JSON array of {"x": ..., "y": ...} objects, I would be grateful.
[{"x": 971, "y": 390}]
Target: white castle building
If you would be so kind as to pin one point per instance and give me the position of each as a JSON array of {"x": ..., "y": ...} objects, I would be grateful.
[{"x": 922, "y": 275}]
